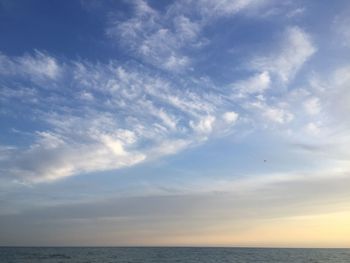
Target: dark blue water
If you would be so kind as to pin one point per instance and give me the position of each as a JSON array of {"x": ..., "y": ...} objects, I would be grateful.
[{"x": 179, "y": 255}]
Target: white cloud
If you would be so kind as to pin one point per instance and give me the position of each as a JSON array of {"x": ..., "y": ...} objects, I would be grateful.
[
  {"x": 167, "y": 119},
  {"x": 278, "y": 106},
  {"x": 52, "y": 158},
  {"x": 341, "y": 28},
  {"x": 23, "y": 94},
  {"x": 166, "y": 147},
  {"x": 204, "y": 125},
  {"x": 271, "y": 113},
  {"x": 296, "y": 12},
  {"x": 214, "y": 8},
  {"x": 6, "y": 65},
  {"x": 328, "y": 98},
  {"x": 321, "y": 114},
  {"x": 295, "y": 49},
  {"x": 230, "y": 117},
  {"x": 277, "y": 115},
  {"x": 185, "y": 28},
  {"x": 115, "y": 145},
  {"x": 151, "y": 36},
  {"x": 123, "y": 116},
  {"x": 312, "y": 106},
  {"x": 38, "y": 67},
  {"x": 313, "y": 128},
  {"x": 84, "y": 95},
  {"x": 254, "y": 85},
  {"x": 163, "y": 39},
  {"x": 48, "y": 140}
]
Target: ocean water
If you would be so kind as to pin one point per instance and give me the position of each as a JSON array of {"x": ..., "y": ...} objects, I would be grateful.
[{"x": 163, "y": 255}]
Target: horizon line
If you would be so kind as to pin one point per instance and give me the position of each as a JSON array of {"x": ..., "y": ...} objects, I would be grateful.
[{"x": 169, "y": 246}]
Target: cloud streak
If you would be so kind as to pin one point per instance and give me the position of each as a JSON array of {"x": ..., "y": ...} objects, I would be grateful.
[
  {"x": 295, "y": 50},
  {"x": 240, "y": 206},
  {"x": 113, "y": 117},
  {"x": 166, "y": 39}
]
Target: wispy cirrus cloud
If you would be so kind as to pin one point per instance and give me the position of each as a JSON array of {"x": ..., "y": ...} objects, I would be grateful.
[
  {"x": 341, "y": 28},
  {"x": 294, "y": 51},
  {"x": 38, "y": 66},
  {"x": 157, "y": 38},
  {"x": 166, "y": 39},
  {"x": 113, "y": 117},
  {"x": 261, "y": 93}
]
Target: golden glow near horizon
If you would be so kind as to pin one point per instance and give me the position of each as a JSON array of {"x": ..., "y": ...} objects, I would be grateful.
[{"x": 323, "y": 230}]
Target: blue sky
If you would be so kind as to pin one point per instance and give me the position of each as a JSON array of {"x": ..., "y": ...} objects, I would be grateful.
[{"x": 173, "y": 122}]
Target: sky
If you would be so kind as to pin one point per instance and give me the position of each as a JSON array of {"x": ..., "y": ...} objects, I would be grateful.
[{"x": 175, "y": 123}]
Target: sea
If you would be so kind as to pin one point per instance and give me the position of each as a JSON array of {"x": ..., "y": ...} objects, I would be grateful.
[{"x": 170, "y": 254}]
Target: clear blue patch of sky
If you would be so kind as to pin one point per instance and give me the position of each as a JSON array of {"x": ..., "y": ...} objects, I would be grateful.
[{"x": 63, "y": 28}]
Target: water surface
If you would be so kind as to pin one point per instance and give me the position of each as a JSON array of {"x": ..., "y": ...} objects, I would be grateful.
[{"x": 164, "y": 255}]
